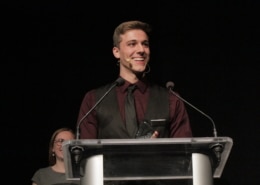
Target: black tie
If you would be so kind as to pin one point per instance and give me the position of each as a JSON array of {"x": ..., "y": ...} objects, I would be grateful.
[{"x": 130, "y": 114}]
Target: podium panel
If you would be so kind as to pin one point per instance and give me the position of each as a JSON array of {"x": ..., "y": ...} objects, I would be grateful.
[{"x": 146, "y": 159}]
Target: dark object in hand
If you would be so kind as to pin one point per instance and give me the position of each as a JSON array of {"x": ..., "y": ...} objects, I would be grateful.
[{"x": 144, "y": 131}]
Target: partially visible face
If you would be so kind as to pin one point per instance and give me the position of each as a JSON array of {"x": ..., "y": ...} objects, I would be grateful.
[
  {"x": 133, "y": 51},
  {"x": 60, "y": 138}
]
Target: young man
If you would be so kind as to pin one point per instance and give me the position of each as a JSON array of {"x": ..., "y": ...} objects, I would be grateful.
[{"x": 158, "y": 112}]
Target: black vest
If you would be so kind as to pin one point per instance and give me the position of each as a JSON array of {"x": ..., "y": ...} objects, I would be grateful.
[{"x": 110, "y": 122}]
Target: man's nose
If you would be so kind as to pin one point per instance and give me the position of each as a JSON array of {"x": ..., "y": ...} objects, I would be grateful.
[{"x": 140, "y": 48}]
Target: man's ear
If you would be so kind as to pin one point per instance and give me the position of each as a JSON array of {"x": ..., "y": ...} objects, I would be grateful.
[{"x": 116, "y": 52}]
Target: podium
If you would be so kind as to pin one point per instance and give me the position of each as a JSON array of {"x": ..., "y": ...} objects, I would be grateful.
[{"x": 93, "y": 161}]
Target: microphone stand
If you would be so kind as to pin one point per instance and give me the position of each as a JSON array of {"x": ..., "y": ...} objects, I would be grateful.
[{"x": 217, "y": 148}]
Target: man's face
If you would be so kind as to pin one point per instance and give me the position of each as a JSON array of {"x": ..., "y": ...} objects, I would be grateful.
[{"x": 133, "y": 51}]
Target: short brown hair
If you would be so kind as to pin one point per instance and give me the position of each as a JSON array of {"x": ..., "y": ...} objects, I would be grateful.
[{"x": 129, "y": 25}]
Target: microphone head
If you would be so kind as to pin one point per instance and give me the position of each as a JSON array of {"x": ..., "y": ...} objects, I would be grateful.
[
  {"x": 120, "y": 81},
  {"x": 169, "y": 85}
]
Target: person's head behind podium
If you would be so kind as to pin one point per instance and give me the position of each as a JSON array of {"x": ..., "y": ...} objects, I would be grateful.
[{"x": 55, "y": 145}]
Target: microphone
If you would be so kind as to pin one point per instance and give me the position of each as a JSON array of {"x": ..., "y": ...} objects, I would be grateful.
[
  {"x": 77, "y": 150},
  {"x": 217, "y": 148},
  {"x": 128, "y": 60}
]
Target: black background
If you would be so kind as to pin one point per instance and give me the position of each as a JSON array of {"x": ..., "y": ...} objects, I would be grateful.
[{"x": 53, "y": 52}]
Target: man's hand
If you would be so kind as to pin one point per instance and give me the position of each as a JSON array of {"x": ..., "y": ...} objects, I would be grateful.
[{"x": 155, "y": 134}]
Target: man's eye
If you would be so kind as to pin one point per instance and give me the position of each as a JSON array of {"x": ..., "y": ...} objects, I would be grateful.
[{"x": 131, "y": 44}]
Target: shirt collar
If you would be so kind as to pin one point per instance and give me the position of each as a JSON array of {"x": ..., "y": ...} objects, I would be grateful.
[{"x": 142, "y": 85}]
